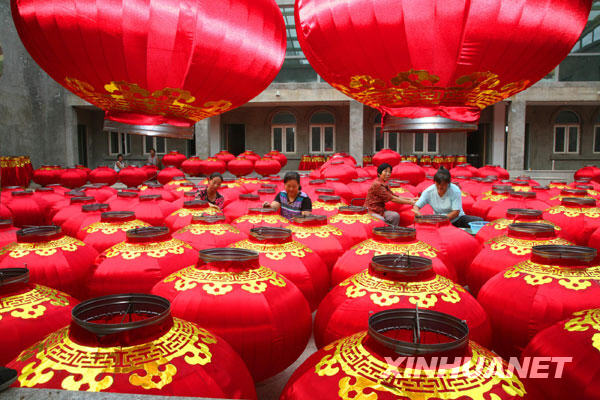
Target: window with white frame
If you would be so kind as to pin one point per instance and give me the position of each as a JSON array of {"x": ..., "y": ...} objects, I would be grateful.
[
  {"x": 118, "y": 143},
  {"x": 597, "y": 139},
  {"x": 385, "y": 140},
  {"x": 566, "y": 132},
  {"x": 283, "y": 132},
  {"x": 425, "y": 142},
  {"x": 158, "y": 143},
  {"x": 322, "y": 133}
]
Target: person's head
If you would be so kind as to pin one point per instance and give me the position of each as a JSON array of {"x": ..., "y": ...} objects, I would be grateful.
[
  {"x": 442, "y": 180},
  {"x": 152, "y": 152},
  {"x": 120, "y": 157},
  {"x": 214, "y": 182},
  {"x": 291, "y": 183},
  {"x": 384, "y": 171}
]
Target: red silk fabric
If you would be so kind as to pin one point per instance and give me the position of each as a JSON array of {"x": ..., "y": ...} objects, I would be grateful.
[
  {"x": 108, "y": 231},
  {"x": 577, "y": 221},
  {"x": 447, "y": 58},
  {"x": 209, "y": 234},
  {"x": 173, "y": 158},
  {"x": 132, "y": 176},
  {"x": 7, "y": 232},
  {"x": 355, "y": 225},
  {"x": 515, "y": 200}
]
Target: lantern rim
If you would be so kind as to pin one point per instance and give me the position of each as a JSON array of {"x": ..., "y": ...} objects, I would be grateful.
[
  {"x": 44, "y": 189},
  {"x": 22, "y": 193},
  {"x": 329, "y": 198},
  {"x": 220, "y": 254},
  {"x": 81, "y": 199},
  {"x": 6, "y": 223},
  {"x": 324, "y": 190},
  {"x": 268, "y": 186},
  {"x": 431, "y": 219},
  {"x": 261, "y": 210},
  {"x": 75, "y": 193},
  {"x": 209, "y": 219},
  {"x": 117, "y": 216},
  {"x": 195, "y": 204},
  {"x": 316, "y": 181},
  {"x": 267, "y": 232},
  {"x": 352, "y": 210},
  {"x": 148, "y": 234},
  {"x": 401, "y": 267},
  {"x": 312, "y": 218},
  {"x": 94, "y": 207},
  {"x": 523, "y": 212},
  {"x": 395, "y": 232},
  {"x": 578, "y": 201},
  {"x": 127, "y": 193},
  {"x": 10, "y": 276},
  {"x": 565, "y": 252},
  {"x": 149, "y": 197},
  {"x": 536, "y": 230},
  {"x": 517, "y": 194},
  {"x": 39, "y": 233},
  {"x": 249, "y": 196}
]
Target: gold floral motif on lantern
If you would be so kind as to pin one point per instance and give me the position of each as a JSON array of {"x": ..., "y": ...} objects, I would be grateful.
[
  {"x": 186, "y": 212},
  {"x": 219, "y": 283},
  {"x": 18, "y": 250},
  {"x": 362, "y": 372},
  {"x": 148, "y": 365},
  {"x": 414, "y": 249},
  {"x": 522, "y": 188},
  {"x": 569, "y": 278},
  {"x": 30, "y": 305},
  {"x": 491, "y": 196},
  {"x": 108, "y": 228},
  {"x": 277, "y": 251},
  {"x": 585, "y": 320},
  {"x": 130, "y": 97},
  {"x": 130, "y": 251},
  {"x": 572, "y": 212},
  {"x": 258, "y": 218},
  {"x": 521, "y": 247},
  {"x": 384, "y": 292},
  {"x": 323, "y": 231},
  {"x": 350, "y": 219},
  {"x": 319, "y": 205},
  {"x": 216, "y": 229},
  {"x": 418, "y": 87},
  {"x": 399, "y": 190},
  {"x": 503, "y": 223}
]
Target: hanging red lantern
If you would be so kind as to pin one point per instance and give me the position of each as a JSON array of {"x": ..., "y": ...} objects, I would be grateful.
[
  {"x": 26, "y": 209},
  {"x": 502, "y": 252},
  {"x": 267, "y": 166},
  {"x": 168, "y": 174},
  {"x": 395, "y": 281},
  {"x": 132, "y": 176},
  {"x": 212, "y": 165},
  {"x": 53, "y": 259},
  {"x": 110, "y": 230},
  {"x": 73, "y": 178},
  {"x": 263, "y": 315},
  {"x": 240, "y": 166},
  {"x": 386, "y": 240},
  {"x": 134, "y": 343},
  {"x": 499, "y": 227},
  {"x": 408, "y": 171},
  {"x": 173, "y": 158},
  {"x": 178, "y": 84},
  {"x": 153, "y": 209},
  {"x": 72, "y": 209},
  {"x": 407, "y": 76},
  {"x": 192, "y": 166},
  {"x": 135, "y": 265},
  {"x": 28, "y": 312},
  {"x": 8, "y": 233},
  {"x": 392, "y": 360},
  {"x": 257, "y": 217},
  {"x": 104, "y": 174},
  {"x": 532, "y": 295},
  {"x": 386, "y": 156},
  {"x": 574, "y": 339},
  {"x": 236, "y": 209},
  {"x": 355, "y": 223},
  {"x": 89, "y": 214},
  {"x": 578, "y": 218},
  {"x": 486, "y": 200},
  {"x": 124, "y": 201},
  {"x": 224, "y": 156},
  {"x": 522, "y": 200},
  {"x": 183, "y": 217},
  {"x": 327, "y": 205},
  {"x": 208, "y": 232},
  {"x": 279, "y": 252}
]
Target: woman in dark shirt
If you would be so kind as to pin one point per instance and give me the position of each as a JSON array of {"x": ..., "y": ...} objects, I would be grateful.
[
  {"x": 292, "y": 201},
  {"x": 211, "y": 194}
]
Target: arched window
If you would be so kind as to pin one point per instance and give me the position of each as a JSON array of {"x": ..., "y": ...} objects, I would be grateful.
[
  {"x": 387, "y": 140},
  {"x": 283, "y": 132},
  {"x": 566, "y": 132},
  {"x": 322, "y": 132}
]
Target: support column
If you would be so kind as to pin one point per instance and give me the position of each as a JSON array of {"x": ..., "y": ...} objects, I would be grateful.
[
  {"x": 214, "y": 134},
  {"x": 356, "y": 130},
  {"x": 498, "y": 134},
  {"x": 516, "y": 136},
  {"x": 71, "y": 153},
  {"x": 202, "y": 138}
]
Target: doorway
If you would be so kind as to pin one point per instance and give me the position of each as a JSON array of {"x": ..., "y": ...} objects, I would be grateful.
[
  {"x": 235, "y": 138},
  {"x": 477, "y": 145},
  {"x": 82, "y": 144}
]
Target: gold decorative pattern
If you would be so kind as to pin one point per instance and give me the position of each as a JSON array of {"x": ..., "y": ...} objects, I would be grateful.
[
  {"x": 216, "y": 229},
  {"x": 572, "y": 212},
  {"x": 494, "y": 197},
  {"x": 503, "y": 223},
  {"x": 521, "y": 188},
  {"x": 384, "y": 292},
  {"x": 149, "y": 365},
  {"x": 109, "y": 228},
  {"x": 418, "y": 87},
  {"x": 186, "y": 212},
  {"x": 350, "y": 219},
  {"x": 414, "y": 249},
  {"x": 18, "y": 250},
  {"x": 521, "y": 247},
  {"x": 130, "y": 251},
  {"x": 130, "y": 97},
  {"x": 219, "y": 283},
  {"x": 277, "y": 251},
  {"x": 570, "y": 278},
  {"x": 399, "y": 190},
  {"x": 585, "y": 320},
  {"x": 30, "y": 305},
  {"x": 364, "y": 372},
  {"x": 258, "y": 219},
  {"x": 319, "y": 205},
  {"x": 323, "y": 231}
]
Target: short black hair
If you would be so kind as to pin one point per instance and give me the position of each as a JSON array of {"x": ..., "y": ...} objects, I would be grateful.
[
  {"x": 215, "y": 175},
  {"x": 382, "y": 167},
  {"x": 291, "y": 176},
  {"x": 119, "y": 155},
  {"x": 442, "y": 175}
]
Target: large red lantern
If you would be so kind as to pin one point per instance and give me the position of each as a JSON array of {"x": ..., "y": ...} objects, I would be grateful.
[
  {"x": 395, "y": 281},
  {"x": 73, "y": 208},
  {"x": 28, "y": 312},
  {"x": 173, "y": 158},
  {"x": 578, "y": 218},
  {"x": 151, "y": 170},
  {"x": 104, "y": 174},
  {"x": 327, "y": 205},
  {"x": 153, "y": 209},
  {"x": 386, "y": 156},
  {"x": 502, "y": 252},
  {"x": 224, "y": 156},
  {"x": 278, "y": 251},
  {"x": 132, "y": 176},
  {"x": 183, "y": 217},
  {"x": 240, "y": 166},
  {"x": 138, "y": 263},
  {"x": 267, "y": 166},
  {"x": 280, "y": 157},
  {"x": 172, "y": 62},
  {"x": 192, "y": 166},
  {"x": 339, "y": 169},
  {"x": 130, "y": 343},
  {"x": 355, "y": 223},
  {"x": 245, "y": 201},
  {"x": 212, "y": 165},
  {"x": 591, "y": 172},
  {"x": 208, "y": 232},
  {"x": 110, "y": 230},
  {"x": 499, "y": 227},
  {"x": 515, "y": 200},
  {"x": 263, "y": 315},
  {"x": 8, "y": 233},
  {"x": 392, "y": 361},
  {"x": 408, "y": 171},
  {"x": 27, "y": 209},
  {"x": 124, "y": 201},
  {"x": 453, "y": 66},
  {"x": 100, "y": 191},
  {"x": 168, "y": 174},
  {"x": 488, "y": 199},
  {"x": 49, "y": 196},
  {"x": 89, "y": 214},
  {"x": 73, "y": 178},
  {"x": 257, "y": 217},
  {"x": 250, "y": 155},
  {"x": 532, "y": 295},
  {"x": 53, "y": 258},
  {"x": 46, "y": 175}
]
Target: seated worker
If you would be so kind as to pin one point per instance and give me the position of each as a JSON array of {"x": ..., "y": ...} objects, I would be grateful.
[
  {"x": 445, "y": 199},
  {"x": 292, "y": 201},
  {"x": 380, "y": 193}
]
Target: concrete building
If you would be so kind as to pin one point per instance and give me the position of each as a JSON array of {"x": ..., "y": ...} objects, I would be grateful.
[{"x": 548, "y": 130}]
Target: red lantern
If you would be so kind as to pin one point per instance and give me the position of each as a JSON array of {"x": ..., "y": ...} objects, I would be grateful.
[
  {"x": 124, "y": 201},
  {"x": 26, "y": 209},
  {"x": 340, "y": 189},
  {"x": 494, "y": 170},
  {"x": 104, "y": 174},
  {"x": 72, "y": 209},
  {"x": 240, "y": 166},
  {"x": 73, "y": 178},
  {"x": 257, "y": 217},
  {"x": 168, "y": 174},
  {"x": 355, "y": 223},
  {"x": 53, "y": 259},
  {"x": 46, "y": 175},
  {"x": 212, "y": 165},
  {"x": 135, "y": 265},
  {"x": 386, "y": 156},
  {"x": 134, "y": 344},
  {"x": 100, "y": 191},
  {"x": 393, "y": 360},
  {"x": 532, "y": 295},
  {"x": 591, "y": 172},
  {"x": 132, "y": 176},
  {"x": 173, "y": 158},
  {"x": 280, "y": 157},
  {"x": 89, "y": 214},
  {"x": 183, "y": 217},
  {"x": 236, "y": 209},
  {"x": 499, "y": 227},
  {"x": 49, "y": 197},
  {"x": 486, "y": 200},
  {"x": 407, "y": 75},
  {"x": 224, "y": 156},
  {"x": 279, "y": 252},
  {"x": 208, "y": 232},
  {"x": 340, "y": 170},
  {"x": 266, "y": 194},
  {"x": 151, "y": 171},
  {"x": 28, "y": 312},
  {"x": 395, "y": 281},
  {"x": 110, "y": 230},
  {"x": 386, "y": 240},
  {"x": 515, "y": 200},
  {"x": 327, "y": 205},
  {"x": 153, "y": 209},
  {"x": 192, "y": 166},
  {"x": 502, "y": 252},
  {"x": 157, "y": 188},
  {"x": 408, "y": 171},
  {"x": 578, "y": 218},
  {"x": 267, "y": 166},
  {"x": 248, "y": 185},
  {"x": 8, "y": 233},
  {"x": 250, "y": 155},
  {"x": 567, "y": 193},
  {"x": 575, "y": 339},
  {"x": 65, "y": 202},
  {"x": 264, "y": 316},
  {"x": 585, "y": 181}
]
